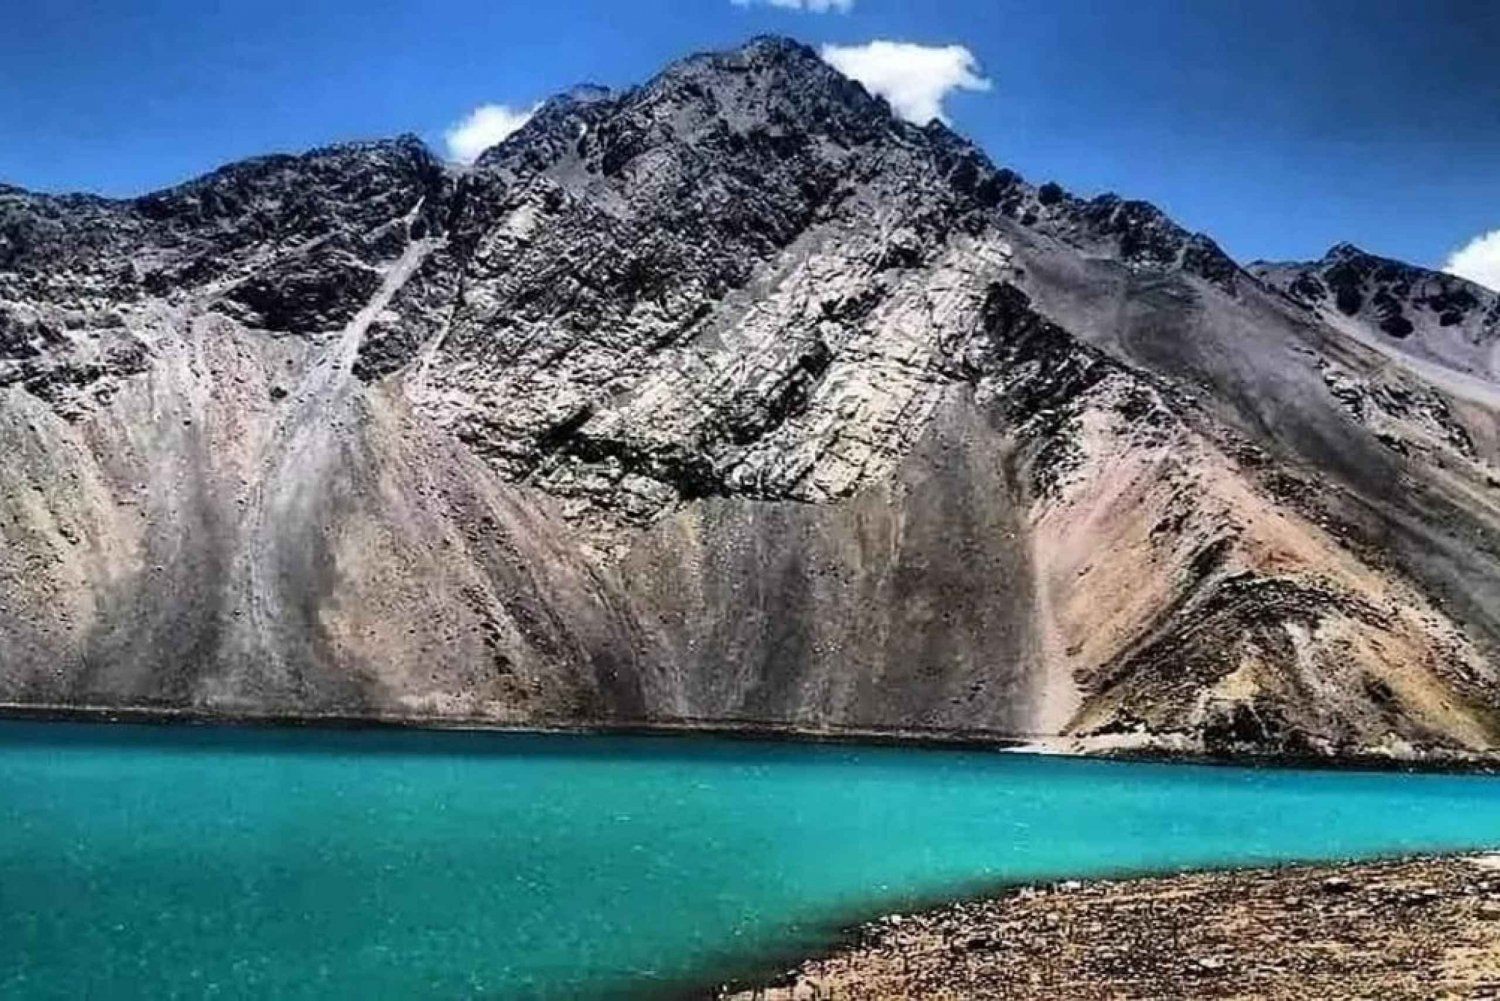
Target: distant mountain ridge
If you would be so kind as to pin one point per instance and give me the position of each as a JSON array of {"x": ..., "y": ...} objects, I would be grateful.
[
  {"x": 733, "y": 397},
  {"x": 1429, "y": 314}
]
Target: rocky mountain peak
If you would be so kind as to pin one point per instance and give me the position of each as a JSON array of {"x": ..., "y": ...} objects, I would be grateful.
[
  {"x": 772, "y": 48},
  {"x": 1343, "y": 252},
  {"x": 1429, "y": 314},
  {"x": 771, "y": 83},
  {"x": 1139, "y": 233},
  {"x": 578, "y": 95},
  {"x": 763, "y": 56},
  {"x": 761, "y": 164}
]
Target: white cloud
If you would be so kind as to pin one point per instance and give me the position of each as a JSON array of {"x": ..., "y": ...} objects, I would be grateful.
[
  {"x": 914, "y": 78},
  {"x": 485, "y": 126},
  {"x": 816, "y": 6},
  {"x": 1478, "y": 260}
]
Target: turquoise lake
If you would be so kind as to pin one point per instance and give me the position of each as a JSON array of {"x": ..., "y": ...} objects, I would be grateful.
[{"x": 188, "y": 862}]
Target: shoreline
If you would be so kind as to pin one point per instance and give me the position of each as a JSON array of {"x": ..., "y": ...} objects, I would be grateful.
[
  {"x": 729, "y": 729},
  {"x": 1411, "y": 927},
  {"x": 751, "y": 730}
]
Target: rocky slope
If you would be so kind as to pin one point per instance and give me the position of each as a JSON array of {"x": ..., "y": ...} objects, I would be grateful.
[
  {"x": 733, "y": 397},
  {"x": 1415, "y": 930}
]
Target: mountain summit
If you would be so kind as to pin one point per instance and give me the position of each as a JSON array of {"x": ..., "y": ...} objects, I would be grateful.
[{"x": 733, "y": 397}]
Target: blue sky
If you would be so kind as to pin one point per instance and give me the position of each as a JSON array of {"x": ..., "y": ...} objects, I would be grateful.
[{"x": 1279, "y": 127}]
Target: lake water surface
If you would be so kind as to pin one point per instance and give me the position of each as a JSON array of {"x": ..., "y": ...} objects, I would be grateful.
[{"x": 160, "y": 862}]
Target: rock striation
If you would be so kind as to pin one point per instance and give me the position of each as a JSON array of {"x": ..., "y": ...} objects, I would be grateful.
[{"x": 734, "y": 397}]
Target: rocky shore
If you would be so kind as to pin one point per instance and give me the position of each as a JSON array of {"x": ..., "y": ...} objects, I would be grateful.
[{"x": 1410, "y": 929}]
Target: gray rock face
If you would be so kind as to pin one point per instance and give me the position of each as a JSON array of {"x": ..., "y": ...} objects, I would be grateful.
[
  {"x": 734, "y": 397},
  {"x": 1431, "y": 315}
]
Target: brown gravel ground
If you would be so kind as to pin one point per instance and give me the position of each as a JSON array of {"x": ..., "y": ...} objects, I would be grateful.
[{"x": 1413, "y": 929}]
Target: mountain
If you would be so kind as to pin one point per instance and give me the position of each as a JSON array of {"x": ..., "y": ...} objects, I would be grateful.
[{"x": 732, "y": 397}]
